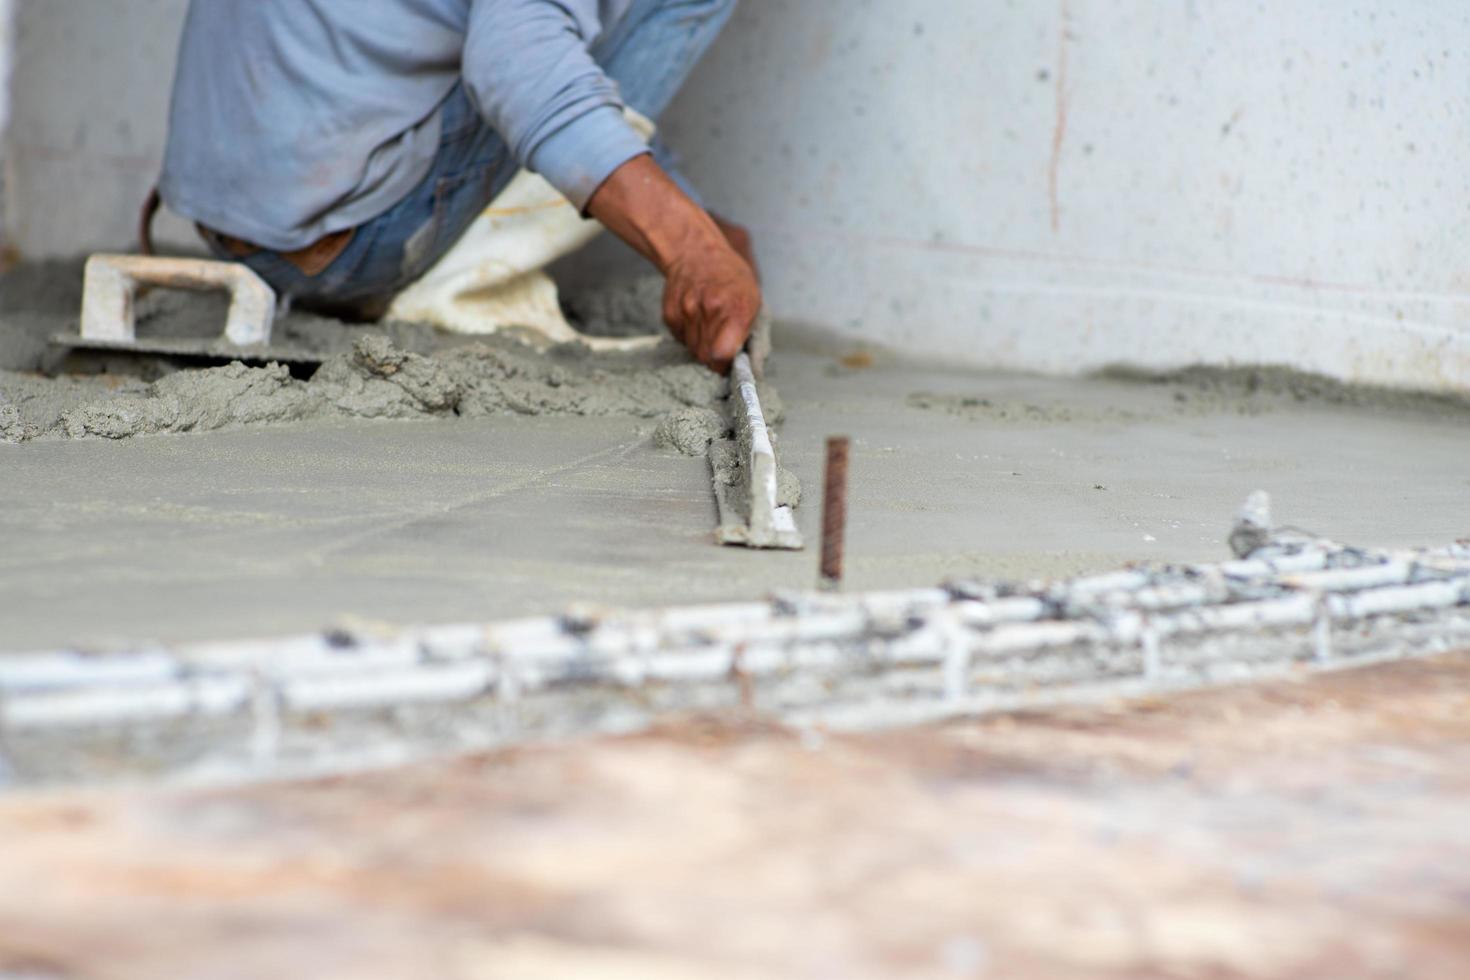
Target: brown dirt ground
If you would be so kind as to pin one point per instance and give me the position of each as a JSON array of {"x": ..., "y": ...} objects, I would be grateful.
[{"x": 1308, "y": 829}]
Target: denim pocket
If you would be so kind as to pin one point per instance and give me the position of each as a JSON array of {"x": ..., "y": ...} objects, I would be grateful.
[
  {"x": 458, "y": 200},
  {"x": 345, "y": 270}
]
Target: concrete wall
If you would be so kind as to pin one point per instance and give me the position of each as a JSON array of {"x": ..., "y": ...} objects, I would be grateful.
[
  {"x": 90, "y": 104},
  {"x": 1042, "y": 184},
  {"x": 1057, "y": 185},
  {"x": 6, "y": 31}
]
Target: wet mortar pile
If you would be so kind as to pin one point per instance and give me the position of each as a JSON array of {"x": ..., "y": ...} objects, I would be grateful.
[
  {"x": 389, "y": 371},
  {"x": 397, "y": 370}
]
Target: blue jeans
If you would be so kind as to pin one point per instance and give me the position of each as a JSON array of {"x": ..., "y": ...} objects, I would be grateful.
[{"x": 649, "y": 53}]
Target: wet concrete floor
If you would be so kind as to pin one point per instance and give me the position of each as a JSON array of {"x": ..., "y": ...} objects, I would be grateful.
[{"x": 273, "y": 530}]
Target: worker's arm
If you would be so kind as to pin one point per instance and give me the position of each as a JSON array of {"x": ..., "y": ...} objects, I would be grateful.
[
  {"x": 711, "y": 296},
  {"x": 527, "y": 67}
]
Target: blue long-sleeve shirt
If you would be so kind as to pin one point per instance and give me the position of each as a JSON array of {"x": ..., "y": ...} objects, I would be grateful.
[{"x": 292, "y": 119}]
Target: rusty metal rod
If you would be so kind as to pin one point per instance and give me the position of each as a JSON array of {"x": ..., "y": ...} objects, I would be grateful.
[{"x": 834, "y": 510}]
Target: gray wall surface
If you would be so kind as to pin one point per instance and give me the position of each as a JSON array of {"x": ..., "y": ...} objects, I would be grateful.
[
  {"x": 6, "y": 30},
  {"x": 89, "y": 107},
  {"x": 1059, "y": 185},
  {"x": 1042, "y": 184}
]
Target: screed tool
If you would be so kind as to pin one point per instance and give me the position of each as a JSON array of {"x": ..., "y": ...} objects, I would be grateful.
[{"x": 744, "y": 468}]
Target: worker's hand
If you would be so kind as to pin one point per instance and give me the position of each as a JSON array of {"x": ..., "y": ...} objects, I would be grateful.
[
  {"x": 711, "y": 299},
  {"x": 739, "y": 238},
  {"x": 711, "y": 296}
]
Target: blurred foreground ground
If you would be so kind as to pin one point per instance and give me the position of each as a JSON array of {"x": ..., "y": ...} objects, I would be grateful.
[{"x": 1309, "y": 829}]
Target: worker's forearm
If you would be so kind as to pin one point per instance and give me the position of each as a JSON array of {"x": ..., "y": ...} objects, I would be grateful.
[
  {"x": 711, "y": 296},
  {"x": 643, "y": 206}
]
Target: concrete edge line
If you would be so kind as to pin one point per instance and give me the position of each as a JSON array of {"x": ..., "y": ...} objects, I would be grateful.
[{"x": 1292, "y": 596}]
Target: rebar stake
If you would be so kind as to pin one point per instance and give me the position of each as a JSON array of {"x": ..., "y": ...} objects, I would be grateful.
[{"x": 834, "y": 511}]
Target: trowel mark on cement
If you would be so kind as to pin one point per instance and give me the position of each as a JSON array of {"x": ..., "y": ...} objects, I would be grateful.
[
  {"x": 1191, "y": 392},
  {"x": 540, "y": 477}
]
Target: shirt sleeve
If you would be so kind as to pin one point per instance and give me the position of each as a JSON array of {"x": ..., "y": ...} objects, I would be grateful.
[{"x": 528, "y": 70}]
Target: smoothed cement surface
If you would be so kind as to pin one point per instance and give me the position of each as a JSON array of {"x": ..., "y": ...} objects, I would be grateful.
[{"x": 280, "y": 529}]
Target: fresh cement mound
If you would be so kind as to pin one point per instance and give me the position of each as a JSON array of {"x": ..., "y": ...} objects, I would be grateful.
[
  {"x": 701, "y": 431},
  {"x": 387, "y": 371},
  {"x": 375, "y": 379},
  {"x": 627, "y": 308},
  {"x": 690, "y": 430}
]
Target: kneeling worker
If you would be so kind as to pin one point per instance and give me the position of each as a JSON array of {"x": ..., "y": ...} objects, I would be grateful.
[{"x": 340, "y": 149}]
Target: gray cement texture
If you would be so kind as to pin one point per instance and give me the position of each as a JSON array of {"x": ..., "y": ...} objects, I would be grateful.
[
  {"x": 385, "y": 370},
  {"x": 269, "y": 530}
]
